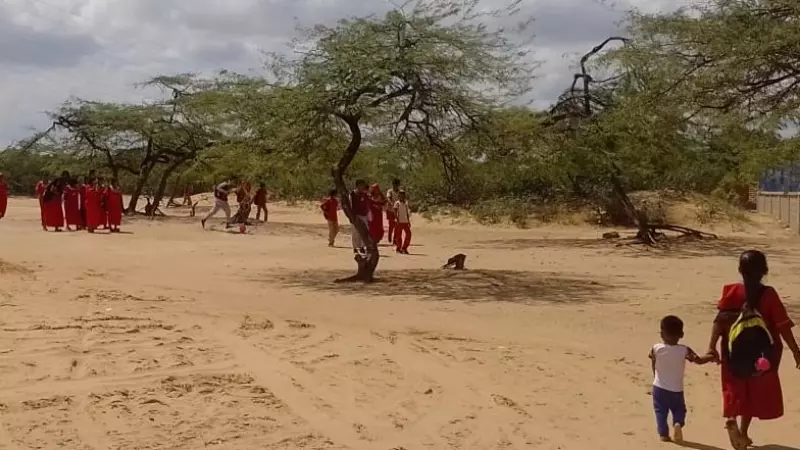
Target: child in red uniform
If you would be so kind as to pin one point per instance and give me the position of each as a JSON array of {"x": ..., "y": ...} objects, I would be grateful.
[
  {"x": 260, "y": 202},
  {"x": 330, "y": 210},
  {"x": 114, "y": 206}
]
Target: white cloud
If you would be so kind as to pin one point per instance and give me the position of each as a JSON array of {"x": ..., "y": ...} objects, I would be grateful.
[{"x": 98, "y": 49}]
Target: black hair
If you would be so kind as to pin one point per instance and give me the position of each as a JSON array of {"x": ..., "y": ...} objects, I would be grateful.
[
  {"x": 753, "y": 267},
  {"x": 672, "y": 326},
  {"x": 333, "y": 192},
  {"x": 361, "y": 182},
  {"x": 396, "y": 182}
]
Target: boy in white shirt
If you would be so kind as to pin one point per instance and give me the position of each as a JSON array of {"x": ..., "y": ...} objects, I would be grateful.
[
  {"x": 402, "y": 232},
  {"x": 669, "y": 363}
]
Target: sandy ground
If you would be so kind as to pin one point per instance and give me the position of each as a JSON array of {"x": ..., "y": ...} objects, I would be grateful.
[{"x": 172, "y": 337}]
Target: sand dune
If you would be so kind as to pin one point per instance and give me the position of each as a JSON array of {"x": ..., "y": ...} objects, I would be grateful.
[{"x": 172, "y": 337}]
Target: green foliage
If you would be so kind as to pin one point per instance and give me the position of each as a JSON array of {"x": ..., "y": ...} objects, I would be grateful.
[{"x": 689, "y": 101}]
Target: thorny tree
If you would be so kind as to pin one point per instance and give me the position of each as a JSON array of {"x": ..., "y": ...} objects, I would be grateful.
[
  {"x": 622, "y": 134},
  {"x": 423, "y": 73},
  {"x": 136, "y": 139}
]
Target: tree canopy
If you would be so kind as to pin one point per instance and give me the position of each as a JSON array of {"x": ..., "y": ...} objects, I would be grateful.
[{"x": 435, "y": 92}]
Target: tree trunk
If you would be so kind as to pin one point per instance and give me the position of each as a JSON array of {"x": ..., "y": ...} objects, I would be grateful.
[
  {"x": 644, "y": 232},
  {"x": 141, "y": 181},
  {"x": 162, "y": 183},
  {"x": 367, "y": 264}
]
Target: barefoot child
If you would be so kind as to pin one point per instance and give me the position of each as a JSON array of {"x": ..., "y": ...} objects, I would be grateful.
[
  {"x": 669, "y": 363},
  {"x": 330, "y": 210},
  {"x": 402, "y": 231}
]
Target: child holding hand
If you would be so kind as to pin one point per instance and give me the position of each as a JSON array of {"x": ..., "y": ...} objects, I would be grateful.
[{"x": 669, "y": 364}]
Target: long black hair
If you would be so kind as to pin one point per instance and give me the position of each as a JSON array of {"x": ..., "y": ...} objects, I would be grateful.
[{"x": 753, "y": 267}]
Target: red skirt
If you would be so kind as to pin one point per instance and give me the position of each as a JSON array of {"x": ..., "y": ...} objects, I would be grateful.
[
  {"x": 376, "y": 225},
  {"x": 72, "y": 211},
  {"x": 53, "y": 213},
  {"x": 759, "y": 397}
]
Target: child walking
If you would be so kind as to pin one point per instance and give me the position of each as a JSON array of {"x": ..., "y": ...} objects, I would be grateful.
[
  {"x": 260, "y": 202},
  {"x": 669, "y": 364},
  {"x": 402, "y": 231},
  {"x": 330, "y": 210}
]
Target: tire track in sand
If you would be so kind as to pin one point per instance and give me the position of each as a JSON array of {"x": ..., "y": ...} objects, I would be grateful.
[{"x": 283, "y": 379}]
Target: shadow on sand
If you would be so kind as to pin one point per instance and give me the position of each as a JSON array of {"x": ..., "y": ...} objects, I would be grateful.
[
  {"x": 681, "y": 248},
  {"x": 468, "y": 285},
  {"x": 696, "y": 446}
]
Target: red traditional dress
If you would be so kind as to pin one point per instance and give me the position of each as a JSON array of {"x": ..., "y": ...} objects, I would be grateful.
[
  {"x": 376, "y": 203},
  {"x": 40, "y": 188},
  {"x": 82, "y": 202},
  {"x": 760, "y": 397},
  {"x": 53, "y": 207},
  {"x": 72, "y": 206},
  {"x": 114, "y": 207},
  {"x": 103, "y": 206},
  {"x": 93, "y": 207},
  {"x": 3, "y": 198}
]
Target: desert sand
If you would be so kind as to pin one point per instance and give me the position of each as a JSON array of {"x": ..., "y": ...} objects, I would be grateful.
[{"x": 174, "y": 337}]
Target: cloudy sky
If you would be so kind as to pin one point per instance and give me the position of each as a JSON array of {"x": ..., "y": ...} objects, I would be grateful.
[{"x": 51, "y": 50}]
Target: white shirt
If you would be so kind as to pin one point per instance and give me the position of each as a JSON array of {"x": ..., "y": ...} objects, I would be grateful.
[
  {"x": 403, "y": 215},
  {"x": 670, "y": 366}
]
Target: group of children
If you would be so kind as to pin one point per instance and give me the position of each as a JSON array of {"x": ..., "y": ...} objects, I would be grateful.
[
  {"x": 369, "y": 205},
  {"x": 245, "y": 197},
  {"x": 89, "y": 204},
  {"x": 751, "y": 325}
]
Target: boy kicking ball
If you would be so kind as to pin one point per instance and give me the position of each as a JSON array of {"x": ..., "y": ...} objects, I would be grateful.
[{"x": 669, "y": 364}]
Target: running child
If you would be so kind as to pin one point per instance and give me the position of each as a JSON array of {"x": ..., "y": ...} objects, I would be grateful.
[
  {"x": 330, "y": 210},
  {"x": 669, "y": 364}
]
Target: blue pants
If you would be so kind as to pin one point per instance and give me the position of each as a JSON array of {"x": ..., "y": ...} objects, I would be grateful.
[{"x": 665, "y": 402}]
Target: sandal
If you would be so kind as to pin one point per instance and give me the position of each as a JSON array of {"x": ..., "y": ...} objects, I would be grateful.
[{"x": 735, "y": 436}]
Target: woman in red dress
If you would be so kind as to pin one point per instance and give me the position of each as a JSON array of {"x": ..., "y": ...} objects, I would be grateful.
[
  {"x": 377, "y": 203},
  {"x": 3, "y": 195},
  {"x": 72, "y": 210},
  {"x": 758, "y": 396},
  {"x": 93, "y": 207},
  {"x": 114, "y": 206},
  {"x": 54, "y": 205}
]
